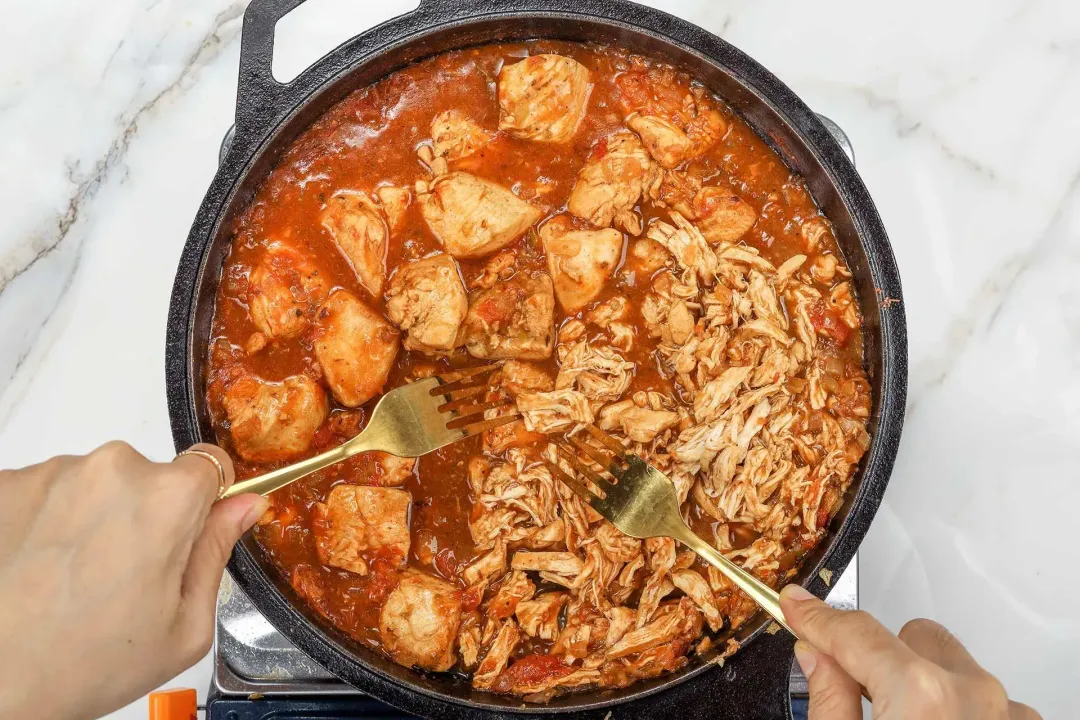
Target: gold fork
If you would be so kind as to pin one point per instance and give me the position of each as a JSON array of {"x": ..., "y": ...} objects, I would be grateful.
[
  {"x": 408, "y": 421},
  {"x": 643, "y": 504}
]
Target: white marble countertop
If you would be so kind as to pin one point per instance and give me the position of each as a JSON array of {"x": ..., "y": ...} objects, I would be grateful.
[{"x": 964, "y": 124}]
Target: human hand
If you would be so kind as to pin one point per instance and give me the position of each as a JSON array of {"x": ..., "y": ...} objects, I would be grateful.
[
  {"x": 923, "y": 673},
  {"x": 109, "y": 571}
]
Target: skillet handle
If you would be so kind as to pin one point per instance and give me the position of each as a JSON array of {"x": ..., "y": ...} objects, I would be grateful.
[
  {"x": 258, "y": 95},
  {"x": 256, "y": 88}
]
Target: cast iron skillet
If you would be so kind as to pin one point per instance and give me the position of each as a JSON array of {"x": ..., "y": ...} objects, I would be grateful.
[{"x": 269, "y": 115}]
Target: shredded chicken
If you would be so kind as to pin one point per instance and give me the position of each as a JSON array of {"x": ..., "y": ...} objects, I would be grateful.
[
  {"x": 560, "y": 563},
  {"x": 738, "y": 339},
  {"x": 547, "y": 412},
  {"x": 687, "y": 244},
  {"x": 678, "y": 619},
  {"x": 497, "y": 656},
  {"x": 539, "y": 617},
  {"x": 598, "y": 372}
]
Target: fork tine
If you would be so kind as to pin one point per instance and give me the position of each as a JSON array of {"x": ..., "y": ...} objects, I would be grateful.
[
  {"x": 597, "y": 456},
  {"x": 588, "y": 472},
  {"x": 468, "y": 409},
  {"x": 579, "y": 488},
  {"x": 611, "y": 443},
  {"x": 468, "y": 415},
  {"x": 483, "y": 425},
  {"x": 448, "y": 389},
  {"x": 457, "y": 396},
  {"x": 453, "y": 376}
]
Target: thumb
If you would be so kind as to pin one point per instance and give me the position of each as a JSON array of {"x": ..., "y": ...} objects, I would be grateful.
[
  {"x": 227, "y": 522},
  {"x": 858, "y": 643},
  {"x": 834, "y": 695}
]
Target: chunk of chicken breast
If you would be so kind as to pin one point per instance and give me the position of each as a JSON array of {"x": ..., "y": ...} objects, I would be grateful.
[
  {"x": 580, "y": 261},
  {"x": 513, "y": 320},
  {"x": 271, "y": 421},
  {"x": 543, "y": 98},
  {"x": 612, "y": 182},
  {"x": 427, "y": 300},
  {"x": 664, "y": 140},
  {"x": 274, "y": 420},
  {"x": 676, "y": 121},
  {"x": 357, "y": 520},
  {"x": 722, "y": 216},
  {"x": 286, "y": 288},
  {"x": 355, "y": 347},
  {"x": 360, "y": 230},
  {"x": 454, "y": 135},
  {"x": 419, "y": 621},
  {"x": 519, "y": 377},
  {"x": 646, "y": 256},
  {"x": 473, "y": 217},
  {"x": 395, "y": 203},
  {"x": 391, "y": 470},
  {"x": 638, "y": 424}
]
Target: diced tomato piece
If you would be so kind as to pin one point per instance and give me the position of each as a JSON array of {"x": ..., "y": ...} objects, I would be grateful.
[
  {"x": 491, "y": 311},
  {"x": 445, "y": 563},
  {"x": 828, "y": 323},
  {"x": 472, "y": 598},
  {"x": 530, "y": 670},
  {"x": 382, "y": 577},
  {"x": 600, "y": 150}
]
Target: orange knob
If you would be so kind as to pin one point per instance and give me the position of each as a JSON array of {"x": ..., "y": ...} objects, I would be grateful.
[{"x": 176, "y": 704}]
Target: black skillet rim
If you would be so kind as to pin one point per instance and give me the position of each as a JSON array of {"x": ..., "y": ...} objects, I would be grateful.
[{"x": 270, "y": 110}]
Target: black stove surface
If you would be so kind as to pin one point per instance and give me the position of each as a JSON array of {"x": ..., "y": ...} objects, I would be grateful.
[
  {"x": 312, "y": 707},
  {"x": 315, "y": 707}
]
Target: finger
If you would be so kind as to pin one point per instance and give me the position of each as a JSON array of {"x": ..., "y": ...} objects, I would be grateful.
[
  {"x": 1020, "y": 711},
  {"x": 834, "y": 695},
  {"x": 205, "y": 473},
  {"x": 935, "y": 643},
  {"x": 227, "y": 522},
  {"x": 860, "y": 644}
]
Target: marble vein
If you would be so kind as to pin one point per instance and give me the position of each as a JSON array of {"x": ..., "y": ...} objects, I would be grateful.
[
  {"x": 223, "y": 31},
  {"x": 210, "y": 46},
  {"x": 906, "y": 125},
  {"x": 982, "y": 311}
]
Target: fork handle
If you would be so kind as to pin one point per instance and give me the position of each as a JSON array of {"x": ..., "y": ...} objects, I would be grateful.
[
  {"x": 762, "y": 594},
  {"x": 276, "y": 479}
]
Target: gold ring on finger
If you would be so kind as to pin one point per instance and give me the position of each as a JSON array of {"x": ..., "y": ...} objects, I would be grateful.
[{"x": 217, "y": 465}]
